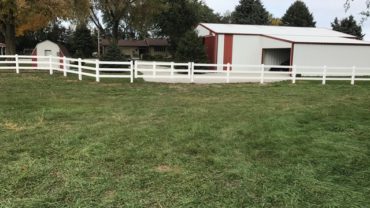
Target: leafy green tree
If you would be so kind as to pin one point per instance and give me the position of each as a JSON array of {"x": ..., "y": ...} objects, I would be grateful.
[
  {"x": 180, "y": 16},
  {"x": 250, "y": 12},
  {"x": 348, "y": 25},
  {"x": 173, "y": 22},
  {"x": 298, "y": 15},
  {"x": 83, "y": 43},
  {"x": 191, "y": 49}
]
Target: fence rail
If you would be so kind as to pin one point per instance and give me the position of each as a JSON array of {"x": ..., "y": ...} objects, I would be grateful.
[{"x": 190, "y": 72}]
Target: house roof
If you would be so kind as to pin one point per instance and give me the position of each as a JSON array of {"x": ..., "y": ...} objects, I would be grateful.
[
  {"x": 156, "y": 42},
  {"x": 138, "y": 43},
  {"x": 284, "y": 33}
]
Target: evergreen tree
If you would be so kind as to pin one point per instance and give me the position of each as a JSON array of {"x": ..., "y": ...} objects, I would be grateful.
[
  {"x": 348, "y": 25},
  {"x": 250, "y": 12},
  {"x": 113, "y": 53},
  {"x": 83, "y": 43},
  {"x": 191, "y": 49},
  {"x": 298, "y": 15}
]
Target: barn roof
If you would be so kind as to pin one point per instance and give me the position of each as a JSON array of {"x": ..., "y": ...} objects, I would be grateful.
[{"x": 288, "y": 34}]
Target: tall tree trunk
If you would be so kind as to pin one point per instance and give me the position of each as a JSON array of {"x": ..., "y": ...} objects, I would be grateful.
[
  {"x": 9, "y": 29},
  {"x": 115, "y": 31},
  {"x": 10, "y": 39}
]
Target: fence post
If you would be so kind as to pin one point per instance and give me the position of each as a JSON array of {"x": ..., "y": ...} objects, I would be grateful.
[
  {"x": 192, "y": 72},
  {"x": 154, "y": 69},
  {"x": 80, "y": 69},
  {"x": 324, "y": 75},
  {"x": 64, "y": 66},
  {"x": 262, "y": 74},
  {"x": 136, "y": 67},
  {"x": 16, "y": 63},
  {"x": 132, "y": 71},
  {"x": 97, "y": 70},
  {"x": 294, "y": 70},
  {"x": 353, "y": 75},
  {"x": 189, "y": 70},
  {"x": 228, "y": 73},
  {"x": 51, "y": 65},
  {"x": 172, "y": 69}
]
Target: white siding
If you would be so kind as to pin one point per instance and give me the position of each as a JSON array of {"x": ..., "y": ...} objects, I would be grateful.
[
  {"x": 331, "y": 56},
  {"x": 202, "y": 31},
  {"x": 220, "y": 51},
  {"x": 272, "y": 43},
  {"x": 46, "y": 46},
  {"x": 247, "y": 50}
]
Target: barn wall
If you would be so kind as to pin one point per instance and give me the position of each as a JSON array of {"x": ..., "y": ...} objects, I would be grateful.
[
  {"x": 247, "y": 50},
  {"x": 273, "y": 43},
  {"x": 202, "y": 31},
  {"x": 210, "y": 45},
  {"x": 331, "y": 55}
]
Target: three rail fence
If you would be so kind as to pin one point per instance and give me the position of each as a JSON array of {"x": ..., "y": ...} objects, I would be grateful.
[{"x": 188, "y": 72}]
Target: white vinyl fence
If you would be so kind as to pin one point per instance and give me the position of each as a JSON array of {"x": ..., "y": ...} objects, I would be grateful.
[{"x": 182, "y": 72}]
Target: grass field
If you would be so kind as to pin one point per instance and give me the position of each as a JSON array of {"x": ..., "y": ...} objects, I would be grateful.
[{"x": 65, "y": 143}]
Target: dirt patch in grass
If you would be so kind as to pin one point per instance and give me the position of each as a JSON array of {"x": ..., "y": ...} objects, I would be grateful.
[
  {"x": 11, "y": 126},
  {"x": 167, "y": 169}
]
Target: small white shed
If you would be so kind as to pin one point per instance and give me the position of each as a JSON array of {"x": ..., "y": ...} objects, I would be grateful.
[
  {"x": 49, "y": 48},
  {"x": 279, "y": 45}
]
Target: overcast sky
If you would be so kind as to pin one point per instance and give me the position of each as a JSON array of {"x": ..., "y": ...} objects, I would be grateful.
[{"x": 324, "y": 11}]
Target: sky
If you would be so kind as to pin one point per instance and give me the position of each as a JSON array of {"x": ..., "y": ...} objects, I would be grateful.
[{"x": 324, "y": 11}]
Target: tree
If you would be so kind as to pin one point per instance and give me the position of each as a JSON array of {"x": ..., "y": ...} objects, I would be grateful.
[
  {"x": 365, "y": 13},
  {"x": 298, "y": 15},
  {"x": 250, "y": 12},
  {"x": 180, "y": 16},
  {"x": 175, "y": 20},
  {"x": 83, "y": 43},
  {"x": 128, "y": 19},
  {"x": 348, "y": 25},
  {"x": 113, "y": 53},
  {"x": 20, "y": 16},
  {"x": 55, "y": 32},
  {"x": 191, "y": 49}
]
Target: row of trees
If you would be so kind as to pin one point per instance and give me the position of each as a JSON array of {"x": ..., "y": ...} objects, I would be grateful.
[
  {"x": 135, "y": 19},
  {"x": 298, "y": 15}
]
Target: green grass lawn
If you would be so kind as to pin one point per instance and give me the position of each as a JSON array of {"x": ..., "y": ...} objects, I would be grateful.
[{"x": 65, "y": 143}]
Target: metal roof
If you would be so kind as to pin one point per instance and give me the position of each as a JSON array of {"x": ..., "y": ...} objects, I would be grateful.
[
  {"x": 289, "y": 34},
  {"x": 272, "y": 30},
  {"x": 321, "y": 39}
]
